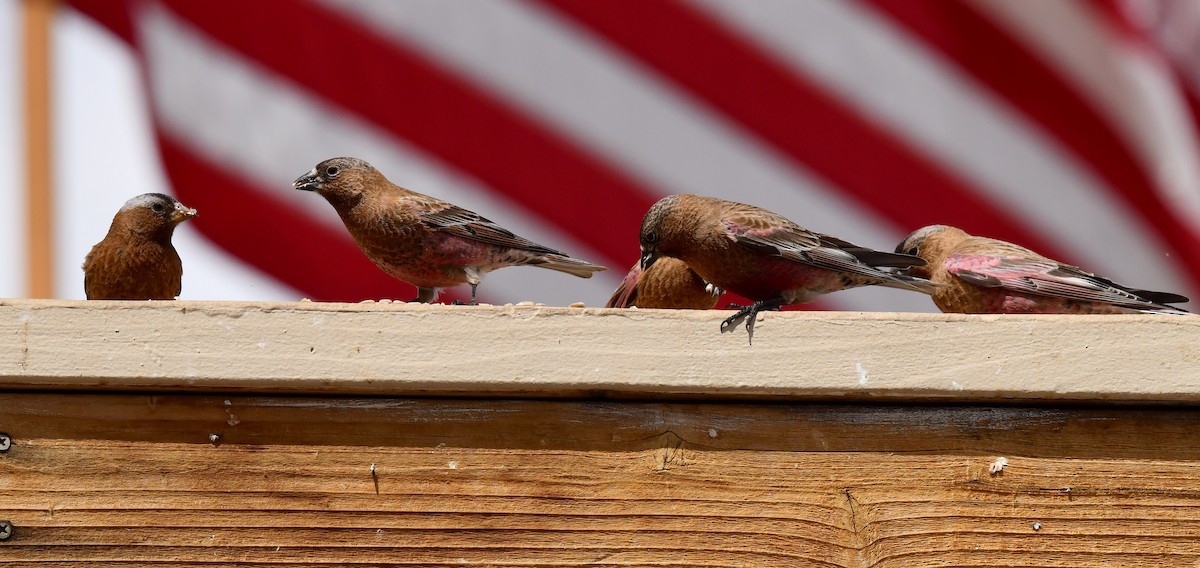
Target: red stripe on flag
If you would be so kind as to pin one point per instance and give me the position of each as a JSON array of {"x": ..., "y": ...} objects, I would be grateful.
[
  {"x": 796, "y": 116},
  {"x": 1118, "y": 17},
  {"x": 116, "y": 15},
  {"x": 406, "y": 94},
  {"x": 994, "y": 58}
]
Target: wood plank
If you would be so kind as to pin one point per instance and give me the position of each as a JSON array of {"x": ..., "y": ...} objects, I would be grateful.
[
  {"x": 129, "y": 479},
  {"x": 404, "y": 350}
]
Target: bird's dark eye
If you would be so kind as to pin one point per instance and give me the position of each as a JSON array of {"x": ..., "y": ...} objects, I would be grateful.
[
  {"x": 332, "y": 171},
  {"x": 158, "y": 208},
  {"x": 651, "y": 237}
]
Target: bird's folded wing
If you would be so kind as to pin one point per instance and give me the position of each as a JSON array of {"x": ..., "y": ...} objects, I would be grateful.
[
  {"x": 470, "y": 225},
  {"x": 778, "y": 236},
  {"x": 1049, "y": 278},
  {"x": 757, "y": 228}
]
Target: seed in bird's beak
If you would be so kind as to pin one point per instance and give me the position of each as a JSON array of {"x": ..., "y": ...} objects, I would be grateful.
[{"x": 182, "y": 213}]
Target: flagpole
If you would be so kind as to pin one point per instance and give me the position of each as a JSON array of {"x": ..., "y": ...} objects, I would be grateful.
[{"x": 37, "y": 17}]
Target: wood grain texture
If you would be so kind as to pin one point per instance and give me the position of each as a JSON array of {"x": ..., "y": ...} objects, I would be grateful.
[
  {"x": 133, "y": 480},
  {"x": 400, "y": 349}
]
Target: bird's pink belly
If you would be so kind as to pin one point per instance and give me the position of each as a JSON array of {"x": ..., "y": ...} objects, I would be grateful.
[
  {"x": 1006, "y": 302},
  {"x": 769, "y": 278},
  {"x": 440, "y": 260}
]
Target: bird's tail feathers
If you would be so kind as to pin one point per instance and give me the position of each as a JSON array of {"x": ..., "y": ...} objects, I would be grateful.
[
  {"x": 1167, "y": 310},
  {"x": 572, "y": 266},
  {"x": 906, "y": 282},
  {"x": 1161, "y": 297}
]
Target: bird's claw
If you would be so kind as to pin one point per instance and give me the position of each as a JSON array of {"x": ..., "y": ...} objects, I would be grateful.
[
  {"x": 750, "y": 315},
  {"x": 732, "y": 322}
]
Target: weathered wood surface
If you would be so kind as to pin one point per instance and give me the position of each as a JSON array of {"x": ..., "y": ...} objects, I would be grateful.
[
  {"x": 400, "y": 349},
  {"x": 125, "y": 480}
]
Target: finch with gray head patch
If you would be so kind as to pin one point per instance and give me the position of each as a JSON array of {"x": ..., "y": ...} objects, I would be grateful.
[
  {"x": 981, "y": 275},
  {"x": 762, "y": 255},
  {"x": 136, "y": 260},
  {"x": 421, "y": 240}
]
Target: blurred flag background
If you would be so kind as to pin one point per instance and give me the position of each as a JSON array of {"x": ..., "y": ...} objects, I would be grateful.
[{"x": 1069, "y": 126}]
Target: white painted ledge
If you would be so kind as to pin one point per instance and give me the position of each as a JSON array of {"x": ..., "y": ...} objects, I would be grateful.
[{"x": 405, "y": 349}]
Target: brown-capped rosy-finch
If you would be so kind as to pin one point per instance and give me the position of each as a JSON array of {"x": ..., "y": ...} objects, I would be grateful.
[
  {"x": 136, "y": 260},
  {"x": 421, "y": 240},
  {"x": 668, "y": 284},
  {"x": 981, "y": 275},
  {"x": 762, "y": 255}
]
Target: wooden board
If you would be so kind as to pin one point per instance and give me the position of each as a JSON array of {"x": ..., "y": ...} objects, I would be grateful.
[
  {"x": 128, "y": 479},
  {"x": 437, "y": 350}
]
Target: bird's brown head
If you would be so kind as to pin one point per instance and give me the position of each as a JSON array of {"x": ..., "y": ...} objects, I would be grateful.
[
  {"x": 656, "y": 230},
  {"x": 340, "y": 180},
  {"x": 926, "y": 243},
  {"x": 153, "y": 214}
]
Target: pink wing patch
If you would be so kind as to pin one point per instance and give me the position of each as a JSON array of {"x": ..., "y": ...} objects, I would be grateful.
[
  {"x": 735, "y": 230},
  {"x": 980, "y": 268},
  {"x": 1048, "y": 280},
  {"x": 623, "y": 296}
]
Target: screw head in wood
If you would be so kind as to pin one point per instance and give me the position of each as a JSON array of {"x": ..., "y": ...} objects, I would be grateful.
[
  {"x": 6, "y": 530},
  {"x": 5, "y": 442}
]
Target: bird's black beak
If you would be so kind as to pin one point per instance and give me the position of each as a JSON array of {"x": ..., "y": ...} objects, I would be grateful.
[
  {"x": 649, "y": 257},
  {"x": 309, "y": 181}
]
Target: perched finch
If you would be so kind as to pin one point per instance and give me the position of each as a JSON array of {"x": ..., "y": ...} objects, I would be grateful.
[
  {"x": 424, "y": 241},
  {"x": 136, "y": 260},
  {"x": 668, "y": 284},
  {"x": 980, "y": 275},
  {"x": 763, "y": 256}
]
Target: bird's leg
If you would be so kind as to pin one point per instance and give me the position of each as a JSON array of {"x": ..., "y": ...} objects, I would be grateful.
[
  {"x": 425, "y": 295},
  {"x": 472, "y": 302},
  {"x": 474, "y": 276},
  {"x": 750, "y": 312}
]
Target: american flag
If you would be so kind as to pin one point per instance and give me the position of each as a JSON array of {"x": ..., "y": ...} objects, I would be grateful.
[{"x": 1068, "y": 126}]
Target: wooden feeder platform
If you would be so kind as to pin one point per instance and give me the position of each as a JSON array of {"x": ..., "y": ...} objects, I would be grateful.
[{"x": 313, "y": 434}]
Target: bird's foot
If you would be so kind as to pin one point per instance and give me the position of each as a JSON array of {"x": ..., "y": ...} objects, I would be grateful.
[
  {"x": 750, "y": 315},
  {"x": 462, "y": 303},
  {"x": 736, "y": 319}
]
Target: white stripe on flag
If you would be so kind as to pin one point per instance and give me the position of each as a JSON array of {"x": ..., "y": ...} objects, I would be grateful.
[
  {"x": 1129, "y": 85},
  {"x": 14, "y": 264}
]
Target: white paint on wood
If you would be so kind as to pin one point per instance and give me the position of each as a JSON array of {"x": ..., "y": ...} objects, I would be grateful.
[{"x": 412, "y": 349}]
